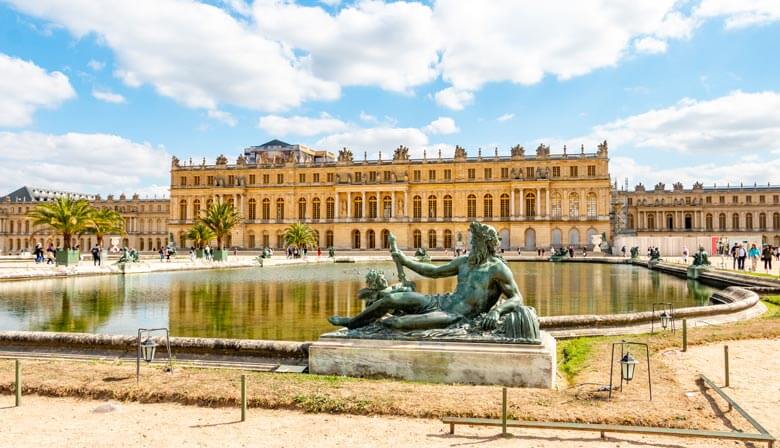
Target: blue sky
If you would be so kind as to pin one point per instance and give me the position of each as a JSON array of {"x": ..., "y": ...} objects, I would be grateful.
[{"x": 96, "y": 96}]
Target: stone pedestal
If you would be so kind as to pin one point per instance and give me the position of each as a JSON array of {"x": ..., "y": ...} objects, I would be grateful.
[{"x": 515, "y": 365}]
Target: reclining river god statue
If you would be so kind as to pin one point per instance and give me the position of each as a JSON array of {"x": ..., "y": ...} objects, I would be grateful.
[{"x": 474, "y": 312}]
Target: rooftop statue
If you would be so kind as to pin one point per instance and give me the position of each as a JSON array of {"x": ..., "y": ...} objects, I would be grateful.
[
  {"x": 460, "y": 152},
  {"x": 222, "y": 160},
  {"x": 401, "y": 153},
  {"x": 345, "y": 155},
  {"x": 518, "y": 151},
  {"x": 542, "y": 151},
  {"x": 471, "y": 313}
]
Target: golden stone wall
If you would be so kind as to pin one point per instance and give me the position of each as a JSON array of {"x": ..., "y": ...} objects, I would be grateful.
[{"x": 533, "y": 201}]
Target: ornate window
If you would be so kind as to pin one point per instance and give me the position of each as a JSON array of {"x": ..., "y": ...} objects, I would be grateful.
[
  {"x": 417, "y": 238},
  {"x": 530, "y": 204},
  {"x": 735, "y": 221},
  {"x": 252, "y": 209},
  {"x": 417, "y": 207},
  {"x": 370, "y": 239},
  {"x": 776, "y": 221},
  {"x": 749, "y": 221},
  {"x": 329, "y": 238},
  {"x": 448, "y": 206},
  {"x": 387, "y": 207},
  {"x": 431, "y": 206},
  {"x": 330, "y": 209},
  {"x": 266, "y": 209},
  {"x": 356, "y": 239},
  {"x": 504, "y": 205},
  {"x": 385, "y": 239},
  {"x": 196, "y": 208},
  {"x": 471, "y": 206},
  {"x": 651, "y": 221},
  {"x": 448, "y": 239},
  {"x": 708, "y": 221},
  {"x": 372, "y": 204},
  {"x": 183, "y": 210},
  {"x": 590, "y": 205},
  {"x": 431, "y": 239},
  {"x": 357, "y": 207},
  {"x": 280, "y": 209},
  {"x": 487, "y": 206},
  {"x": 315, "y": 208},
  {"x": 301, "y": 209},
  {"x": 556, "y": 205},
  {"x": 574, "y": 205},
  {"x": 762, "y": 221},
  {"x": 722, "y": 221}
]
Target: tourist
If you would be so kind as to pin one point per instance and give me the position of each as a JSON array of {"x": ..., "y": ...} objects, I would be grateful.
[
  {"x": 305, "y": 251},
  {"x": 207, "y": 253},
  {"x": 192, "y": 254},
  {"x": 319, "y": 251},
  {"x": 162, "y": 254},
  {"x": 584, "y": 251},
  {"x": 685, "y": 254},
  {"x": 777, "y": 254},
  {"x": 50, "y": 251},
  {"x": 96, "y": 255},
  {"x": 571, "y": 251},
  {"x": 168, "y": 253},
  {"x": 623, "y": 250},
  {"x": 734, "y": 250},
  {"x": 753, "y": 253},
  {"x": 741, "y": 256},
  {"x": 766, "y": 257},
  {"x": 38, "y": 253},
  {"x": 289, "y": 252}
]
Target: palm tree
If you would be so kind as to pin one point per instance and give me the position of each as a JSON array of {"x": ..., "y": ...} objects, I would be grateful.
[
  {"x": 64, "y": 215},
  {"x": 105, "y": 221},
  {"x": 200, "y": 234},
  {"x": 220, "y": 217},
  {"x": 299, "y": 235}
]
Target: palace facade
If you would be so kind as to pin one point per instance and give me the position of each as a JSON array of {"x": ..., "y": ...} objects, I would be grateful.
[
  {"x": 718, "y": 213},
  {"x": 533, "y": 201},
  {"x": 146, "y": 220}
]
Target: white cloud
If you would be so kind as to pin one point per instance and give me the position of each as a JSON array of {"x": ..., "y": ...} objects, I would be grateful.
[
  {"x": 331, "y": 3},
  {"x": 453, "y": 98},
  {"x": 373, "y": 140},
  {"x": 390, "y": 45},
  {"x": 733, "y": 123},
  {"x": 225, "y": 117},
  {"x": 740, "y": 13},
  {"x": 108, "y": 96},
  {"x": 193, "y": 52},
  {"x": 90, "y": 163},
  {"x": 25, "y": 87},
  {"x": 96, "y": 65},
  {"x": 298, "y": 125},
  {"x": 505, "y": 117},
  {"x": 368, "y": 118},
  {"x": 734, "y": 172},
  {"x": 441, "y": 125},
  {"x": 650, "y": 45}
]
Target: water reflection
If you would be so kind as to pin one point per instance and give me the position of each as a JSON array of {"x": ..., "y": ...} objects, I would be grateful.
[{"x": 292, "y": 303}]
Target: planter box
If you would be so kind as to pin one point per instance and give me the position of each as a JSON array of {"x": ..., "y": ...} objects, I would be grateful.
[
  {"x": 199, "y": 253},
  {"x": 67, "y": 257},
  {"x": 220, "y": 255}
]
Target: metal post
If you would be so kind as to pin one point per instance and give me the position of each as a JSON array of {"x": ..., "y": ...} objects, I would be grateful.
[
  {"x": 685, "y": 335},
  {"x": 18, "y": 383},
  {"x": 726, "y": 364},
  {"x": 503, "y": 413},
  {"x": 243, "y": 397}
]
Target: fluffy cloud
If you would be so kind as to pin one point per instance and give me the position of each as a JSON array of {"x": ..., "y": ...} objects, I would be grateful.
[
  {"x": 193, "y": 52},
  {"x": 734, "y": 172},
  {"x": 390, "y": 45},
  {"x": 453, "y": 98},
  {"x": 373, "y": 140},
  {"x": 25, "y": 87},
  {"x": 650, "y": 45},
  {"x": 441, "y": 125},
  {"x": 90, "y": 163},
  {"x": 729, "y": 124},
  {"x": 303, "y": 126},
  {"x": 505, "y": 117},
  {"x": 108, "y": 96},
  {"x": 96, "y": 65},
  {"x": 740, "y": 13},
  {"x": 222, "y": 116}
]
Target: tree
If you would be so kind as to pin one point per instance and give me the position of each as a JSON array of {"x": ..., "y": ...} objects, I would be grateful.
[
  {"x": 220, "y": 217},
  {"x": 299, "y": 235},
  {"x": 64, "y": 215},
  {"x": 105, "y": 221},
  {"x": 200, "y": 234}
]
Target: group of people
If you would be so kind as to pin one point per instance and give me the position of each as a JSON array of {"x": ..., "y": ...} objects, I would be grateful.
[
  {"x": 166, "y": 253},
  {"x": 47, "y": 255},
  {"x": 740, "y": 253},
  {"x": 294, "y": 252}
]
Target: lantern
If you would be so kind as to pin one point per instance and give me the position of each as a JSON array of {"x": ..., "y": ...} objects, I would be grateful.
[
  {"x": 627, "y": 366},
  {"x": 665, "y": 319},
  {"x": 147, "y": 350}
]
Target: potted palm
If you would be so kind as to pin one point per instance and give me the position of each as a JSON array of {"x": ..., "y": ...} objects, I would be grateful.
[
  {"x": 104, "y": 222},
  {"x": 200, "y": 235},
  {"x": 220, "y": 217},
  {"x": 66, "y": 216},
  {"x": 299, "y": 235}
]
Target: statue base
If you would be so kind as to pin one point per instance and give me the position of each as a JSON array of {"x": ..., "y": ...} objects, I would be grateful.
[
  {"x": 695, "y": 271},
  {"x": 134, "y": 268},
  {"x": 513, "y": 365}
]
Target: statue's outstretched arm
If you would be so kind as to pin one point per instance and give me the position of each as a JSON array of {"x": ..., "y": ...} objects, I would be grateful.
[{"x": 430, "y": 270}]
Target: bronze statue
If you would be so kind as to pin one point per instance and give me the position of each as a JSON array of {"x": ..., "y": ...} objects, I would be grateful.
[
  {"x": 473, "y": 311},
  {"x": 700, "y": 258}
]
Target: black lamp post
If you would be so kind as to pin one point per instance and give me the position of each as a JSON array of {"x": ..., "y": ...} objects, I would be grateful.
[
  {"x": 148, "y": 348},
  {"x": 628, "y": 365},
  {"x": 666, "y": 316}
]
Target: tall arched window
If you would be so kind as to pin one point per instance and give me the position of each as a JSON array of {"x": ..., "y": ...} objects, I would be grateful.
[
  {"x": 448, "y": 239},
  {"x": 776, "y": 221},
  {"x": 651, "y": 221},
  {"x": 315, "y": 208},
  {"x": 385, "y": 239},
  {"x": 471, "y": 206},
  {"x": 356, "y": 239},
  {"x": 196, "y": 208},
  {"x": 302, "y": 209},
  {"x": 762, "y": 221},
  {"x": 329, "y": 238},
  {"x": 447, "y": 206},
  {"x": 431, "y": 239},
  {"x": 387, "y": 207},
  {"x": 749, "y": 221},
  {"x": 555, "y": 205},
  {"x": 417, "y": 207},
  {"x": 504, "y": 205},
  {"x": 487, "y": 206},
  {"x": 735, "y": 221},
  {"x": 417, "y": 238},
  {"x": 266, "y": 209},
  {"x": 590, "y": 205},
  {"x": 330, "y": 208},
  {"x": 357, "y": 207},
  {"x": 722, "y": 221},
  {"x": 431, "y": 206},
  {"x": 370, "y": 239},
  {"x": 670, "y": 221},
  {"x": 574, "y": 205},
  {"x": 183, "y": 210},
  {"x": 630, "y": 223},
  {"x": 252, "y": 209},
  {"x": 708, "y": 222},
  {"x": 280, "y": 209},
  {"x": 530, "y": 204},
  {"x": 372, "y": 206}
]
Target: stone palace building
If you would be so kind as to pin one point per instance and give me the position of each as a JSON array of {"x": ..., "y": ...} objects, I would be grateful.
[{"x": 534, "y": 200}]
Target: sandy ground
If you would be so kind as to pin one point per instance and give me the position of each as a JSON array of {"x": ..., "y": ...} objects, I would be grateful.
[
  {"x": 67, "y": 422},
  {"x": 755, "y": 377}
]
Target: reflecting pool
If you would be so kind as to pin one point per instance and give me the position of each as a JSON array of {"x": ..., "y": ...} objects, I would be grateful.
[{"x": 291, "y": 303}]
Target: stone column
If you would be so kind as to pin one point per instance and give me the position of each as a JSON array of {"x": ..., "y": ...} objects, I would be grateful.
[
  {"x": 392, "y": 204},
  {"x": 547, "y": 201},
  {"x": 512, "y": 203},
  {"x": 538, "y": 202},
  {"x": 406, "y": 204},
  {"x": 349, "y": 206},
  {"x": 337, "y": 209},
  {"x": 522, "y": 203},
  {"x": 363, "y": 206}
]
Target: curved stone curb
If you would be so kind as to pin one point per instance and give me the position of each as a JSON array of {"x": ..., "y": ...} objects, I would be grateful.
[
  {"x": 733, "y": 299},
  {"x": 236, "y": 347}
]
